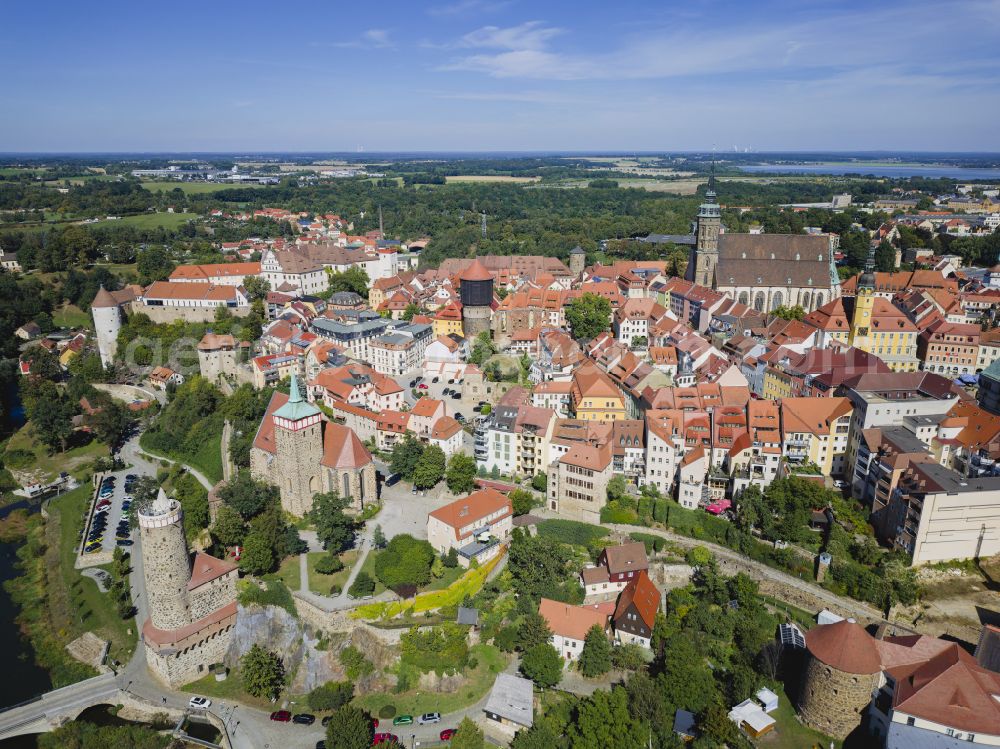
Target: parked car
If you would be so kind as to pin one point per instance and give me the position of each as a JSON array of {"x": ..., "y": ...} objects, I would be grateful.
[
  {"x": 402, "y": 720},
  {"x": 321, "y": 744},
  {"x": 125, "y": 542},
  {"x": 428, "y": 718},
  {"x": 281, "y": 716},
  {"x": 459, "y": 417},
  {"x": 199, "y": 703},
  {"x": 456, "y": 396},
  {"x": 447, "y": 734},
  {"x": 304, "y": 719},
  {"x": 422, "y": 386},
  {"x": 436, "y": 380},
  {"x": 380, "y": 738},
  {"x": 393, "y": 479}
]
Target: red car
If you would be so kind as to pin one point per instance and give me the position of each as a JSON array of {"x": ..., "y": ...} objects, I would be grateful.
[
  {"x": 281, "y": 716},
  {"x": 379, "y": 738},
  {"x": 422, "y": 386},
  {"x": 448, "y": 734},
  {"x": 374, "y": 722}
]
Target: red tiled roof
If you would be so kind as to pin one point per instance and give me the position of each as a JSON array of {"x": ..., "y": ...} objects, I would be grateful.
[
  {"x": 845, "y": 646},
  {"x": 207, "y": 568}
]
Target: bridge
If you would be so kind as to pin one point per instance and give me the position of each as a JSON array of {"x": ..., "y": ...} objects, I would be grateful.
[{"x": 60, "y": 706}]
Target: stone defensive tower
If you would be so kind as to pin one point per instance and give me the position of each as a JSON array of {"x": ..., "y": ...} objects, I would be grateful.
[
  {"x": 192, "y": 606},
  {"x": 165, "y": 563},
  {"x": 577, "y": 260},
  {"x": 476, "y": 291},
  {"x": 298, "y": 439},
  {"x": 107, "y": 323},
  {"x": 842, "y": 671}
]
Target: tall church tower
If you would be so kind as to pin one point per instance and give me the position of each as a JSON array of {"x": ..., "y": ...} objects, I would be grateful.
[
  {"x": 705, "y": 256},
  {"x": 864, "y": 302},
  {"x": 298, "y": 439}
]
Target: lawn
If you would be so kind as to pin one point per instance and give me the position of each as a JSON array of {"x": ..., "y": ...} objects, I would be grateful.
[
  {"x": 490, "y": 662},
  {"x": 76, "y": 604},
  {"x": 71, "y": 316},
  {"x": 207, "y": 460},
  {"x": 319, "y": 583},
  {"x": 288, "y": 573},
  {"x": 44, "y": 467},
  {"x": 790, "y": 733},
  {"x": 195, "y": 188},
  {"x": 369, "y": 567},
  {"x": 450, "y": 575},
  {"x": 231, "y": 689}
]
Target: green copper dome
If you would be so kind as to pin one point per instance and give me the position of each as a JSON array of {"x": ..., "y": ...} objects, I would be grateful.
[{"x": 296, "y": 408}]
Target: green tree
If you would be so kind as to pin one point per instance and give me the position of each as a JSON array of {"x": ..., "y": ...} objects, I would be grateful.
[
  {"x": 617, "y": 488},
  {"x": 430, "y": 470},
  {"x": 588, "y": 316},
  {"x": 790, "y": 313},
  {"x": 349, "y": 728},
  {"x": 542, "y": 665},
  {"x": 522, "y": 501},
  {"x": 406, "y": 561},
  {"x": 262, "y": 673},
  {"x": 248, "y": 496},
  {"x": 52, "y": 420},
  {"x": 540, "y": 482},
  {"x": 111, "y": 423},
  {"x": 595, "y": 658},
  {"x": 257, "y": 556},
  {"x": 378, "y": 538},
  {"x": 461, "y": 473},
  {"x": 482, "y": 349},
  {"x": 229, "y": 528},
  {"x": 154, "y": 264},
  {"x": 468, "y": 736},
  {"x": 256, "y": 287},
  {"x": 334, "y": 527},
  {"x": 353, "y": 279},
  {"x": 411, "y": 309},
  {"x": 534, "y": 630},
  {"x": 406, "y": 456},
  {"x": 362, "y": 586},
  {"x": 331, "y": 696},
  {"x": 603, "y": 720}
]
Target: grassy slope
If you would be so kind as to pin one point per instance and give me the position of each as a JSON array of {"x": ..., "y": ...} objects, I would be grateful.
[
  {"x": 490, "y": 662},
  {"x": 76, "y": 460}
]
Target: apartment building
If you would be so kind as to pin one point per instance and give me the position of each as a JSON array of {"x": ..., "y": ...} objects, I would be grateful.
[
  {"x": 816, "y": 430},
  {"x": 578, "y": 482}
]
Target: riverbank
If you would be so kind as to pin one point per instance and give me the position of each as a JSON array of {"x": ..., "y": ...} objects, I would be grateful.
[{"x": 56, "y": 603}]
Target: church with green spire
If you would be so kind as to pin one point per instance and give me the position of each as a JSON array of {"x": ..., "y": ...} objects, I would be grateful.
[
  {"x": 762, "y": 271},
  {"x": 300, "y": 451}
]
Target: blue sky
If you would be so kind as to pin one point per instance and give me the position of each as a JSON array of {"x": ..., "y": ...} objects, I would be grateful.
[{"x": 500, "y": 75}]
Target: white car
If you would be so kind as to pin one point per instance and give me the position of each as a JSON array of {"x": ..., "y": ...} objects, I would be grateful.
[
  {"x": 428, "y": 718},
  {"x": 199, "y": 703}
]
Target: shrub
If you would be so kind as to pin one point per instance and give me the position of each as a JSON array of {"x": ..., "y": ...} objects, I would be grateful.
[
  {"x": 363, "y": 586},
  {"x": 331, "y": 696},
  {"x": 648, "y": 539},
  {"x": 387, "y": 711},
  {"x": 336, "y": 590},
  {"x": 329, "y": 565},
  {"x": 354, "y": 662}
]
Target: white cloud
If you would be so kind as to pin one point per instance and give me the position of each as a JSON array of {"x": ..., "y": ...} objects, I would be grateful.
[
  {"x": 469, "y": 7},
  {"x": 529, "y": 35},
  {"x": 372, "y": 38}
]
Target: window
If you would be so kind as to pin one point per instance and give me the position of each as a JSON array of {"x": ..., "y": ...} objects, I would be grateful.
[{"x": 910, "y": 720}]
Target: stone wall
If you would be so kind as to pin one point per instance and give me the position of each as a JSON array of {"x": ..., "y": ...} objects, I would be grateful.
[
  {"x": 361, "y": 483},
  {"x": 182, "y": 667},
  {"x": 213, "y": 595},
  {"x": 833, "y": 701},
  {"x": 167, "y": 571},
  {"x": 171, "y": 313}
]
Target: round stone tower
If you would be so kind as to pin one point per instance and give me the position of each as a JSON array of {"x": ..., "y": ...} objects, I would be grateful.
[
  {"x": 107, "y": 323},
  {"x": 842, "y": 671},
  {"x": 577, "y": 260},
  {"x": 165, "y": 563},
  {"x": 476, "y": 292}
]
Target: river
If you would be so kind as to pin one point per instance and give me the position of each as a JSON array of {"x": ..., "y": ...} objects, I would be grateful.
[
  {"x": 23, "y": 679},
  {"x": 965, "y": 174}
]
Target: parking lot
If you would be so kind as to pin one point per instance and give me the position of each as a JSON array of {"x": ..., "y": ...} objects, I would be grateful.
[{"x": 113, "y": 516}]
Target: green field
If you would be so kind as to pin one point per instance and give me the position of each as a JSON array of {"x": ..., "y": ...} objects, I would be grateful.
[
  {"x": 194, "y": 188},
  {"x": 71, "y": 316},
  {"x": 152, "y": 220}
]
